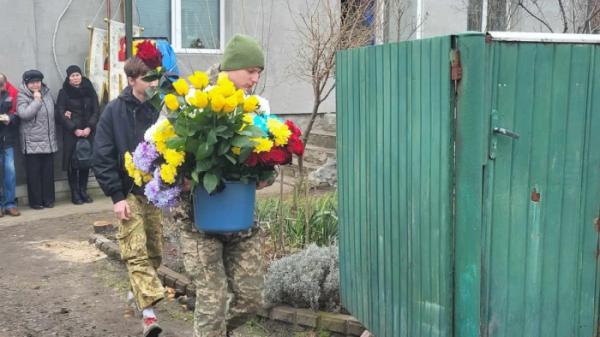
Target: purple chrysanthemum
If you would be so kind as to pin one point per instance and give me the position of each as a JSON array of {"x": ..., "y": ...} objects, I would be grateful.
[
  {"x": 144, "y": 156},
  {"x": 160, "y": 195}
]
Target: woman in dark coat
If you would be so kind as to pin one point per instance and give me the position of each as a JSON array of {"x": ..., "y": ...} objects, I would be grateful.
[{"x": 78, "y": 110}]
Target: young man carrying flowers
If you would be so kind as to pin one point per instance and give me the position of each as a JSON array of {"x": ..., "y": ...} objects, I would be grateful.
[
  {"x": 121, "y": 128},
  {"x": 225, "y": 268}
]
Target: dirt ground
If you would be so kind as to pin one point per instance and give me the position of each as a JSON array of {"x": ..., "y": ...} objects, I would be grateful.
[{"x": 54, "y": 283}]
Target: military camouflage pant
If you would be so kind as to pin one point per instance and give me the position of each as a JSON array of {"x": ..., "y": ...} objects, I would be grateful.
[
  {"x": 141, "y": 242},
  {"x": 227, "y": 273}
]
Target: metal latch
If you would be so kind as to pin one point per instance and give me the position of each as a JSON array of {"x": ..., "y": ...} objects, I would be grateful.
[
  {"x": 498, "y": 131},
  {"x": 506, "y": 132}
]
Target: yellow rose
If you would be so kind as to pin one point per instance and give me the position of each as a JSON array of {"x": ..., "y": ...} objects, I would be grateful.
[
  {"x": 227, "y": 89},
  {"x": 171, "y": 102},
  {"x": 217, "y": 102},
  {"x": 199, "y": 80},
  {"x": 230, "y": 104},
  {"x": 250, "y": 104},
  {"x": 236, "y": 150},
  {"x": 239, "y": 94},
  {"x": 223, "y": 79},
  {"x": 199, "y": 100},
  {"x": 181, "y": 86}
]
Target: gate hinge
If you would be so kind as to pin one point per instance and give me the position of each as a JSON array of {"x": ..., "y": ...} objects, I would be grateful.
[{"x": 456, "y": 66}]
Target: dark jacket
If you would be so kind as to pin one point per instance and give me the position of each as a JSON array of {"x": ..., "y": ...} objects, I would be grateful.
[
  {"x": 8, "y": 104},
  {"x": 37, "y": 123},
  {"x": 82, "y": 102},
  {"x": 121, "y": 128}
]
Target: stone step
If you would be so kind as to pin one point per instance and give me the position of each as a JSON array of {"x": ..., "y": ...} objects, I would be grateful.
[
  {"x": 322, "y": 138},
  {"x": 317, "y": 155}
]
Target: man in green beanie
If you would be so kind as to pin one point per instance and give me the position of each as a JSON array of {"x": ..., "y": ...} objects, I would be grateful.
[{"x": 226, "y": 269}]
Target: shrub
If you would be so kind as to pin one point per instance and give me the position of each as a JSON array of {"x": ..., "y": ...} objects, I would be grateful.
[{"x": 307, "y": 279}]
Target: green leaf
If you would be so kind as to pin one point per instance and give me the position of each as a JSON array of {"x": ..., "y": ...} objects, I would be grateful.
[
  {"x": 221, "y": 128},
  {"x": 210, "y": 182},
  {"x": 182, "y": 128},
  {"x": 192, "y": 145},
  {"x": 204, "y": 165},
  {"x": 241, "y": 141},
  {"x": 204, "y": 150},
  {"x": 212, "y": 137},
  {"x": 223, "y": 147},
  {"x": 231, "y": 159},
  {"x": 195, "y": 177},
  {"x": 176, "y": 143},
  {"x": 244, "y": 154},
  {"x": 253, "y": 131}
]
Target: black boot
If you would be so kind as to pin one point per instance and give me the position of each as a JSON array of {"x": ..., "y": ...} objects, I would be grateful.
[
  {"x": 83, "y": 182},
  {"x": 74, "y": 186}
]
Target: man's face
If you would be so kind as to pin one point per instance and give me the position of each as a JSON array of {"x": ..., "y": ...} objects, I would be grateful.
[
  {"x": 139, "y": 86},
  {"x": 34, "y": 86},
  {"x": 245, "y": 79},
  {"x": 2, "y": 86}
]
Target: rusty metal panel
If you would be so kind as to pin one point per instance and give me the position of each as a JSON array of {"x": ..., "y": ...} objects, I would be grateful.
[
  {"x": 395, "y": 159},
  {"x": 541, "y": 191}
]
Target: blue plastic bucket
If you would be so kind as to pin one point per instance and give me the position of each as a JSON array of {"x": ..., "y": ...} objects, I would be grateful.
[{"x": 231, "y": 210}]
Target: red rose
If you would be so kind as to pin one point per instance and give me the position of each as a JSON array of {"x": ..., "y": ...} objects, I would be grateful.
[
  {"x": 293, "y": 128},
  {"x": 147, "y": 52},
  {"x": 280, "y": 155},
  {"x": 252, "y": 160},
  {"x": 295, "y": 145}
]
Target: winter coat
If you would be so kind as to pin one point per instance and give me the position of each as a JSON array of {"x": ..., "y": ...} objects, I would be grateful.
[
  {"x": 82, "y": 102},
  {"x": 37, "y": 123},
  {"x": 121, "y": 128},
  {"x": 8, "y": 104}
]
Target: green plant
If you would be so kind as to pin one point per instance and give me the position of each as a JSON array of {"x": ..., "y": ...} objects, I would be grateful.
[{"x": 284, "y": 220}]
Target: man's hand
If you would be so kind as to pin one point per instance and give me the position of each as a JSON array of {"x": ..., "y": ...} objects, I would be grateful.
[
  {"x": 122, "y": 210},
  {"x": 86, "y": 132},
  {"x": 4, "y": 119},
  {"x": 79, "y": 133},
  {"x": 187, "y": 185},
  {"x": 37, "y": 95},
  {"x": 68, "y": 114}
]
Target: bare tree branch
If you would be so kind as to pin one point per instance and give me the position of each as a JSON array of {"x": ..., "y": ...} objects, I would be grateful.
[
  {"x": 542, "y": 21},
  {"x": 564, "y": 16}
]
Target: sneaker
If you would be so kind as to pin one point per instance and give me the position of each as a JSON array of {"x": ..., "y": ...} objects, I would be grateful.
[
  {"x": 13, "y": 211},
  {"x": 151, "y": 327}
]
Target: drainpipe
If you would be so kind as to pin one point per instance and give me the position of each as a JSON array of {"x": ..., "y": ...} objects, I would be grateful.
[{"x": 128, "y": 26}]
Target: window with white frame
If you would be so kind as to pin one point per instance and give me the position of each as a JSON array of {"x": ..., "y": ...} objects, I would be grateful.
[{"x": 192, "y": 26}]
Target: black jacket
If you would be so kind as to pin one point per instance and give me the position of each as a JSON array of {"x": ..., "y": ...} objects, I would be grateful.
[
  {"x": 82, "y": 102},
  {"x": 121, "y": 128},
  {"x": 10, "y": 132}
]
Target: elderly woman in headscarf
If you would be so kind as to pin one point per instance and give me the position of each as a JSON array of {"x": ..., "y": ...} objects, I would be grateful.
[{"x": 78, "y": 110}]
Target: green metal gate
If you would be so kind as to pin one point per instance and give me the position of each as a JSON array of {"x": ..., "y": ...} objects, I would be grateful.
[
  {"x": 395, "y": 187},
  {"x": 450, "y": 224}
]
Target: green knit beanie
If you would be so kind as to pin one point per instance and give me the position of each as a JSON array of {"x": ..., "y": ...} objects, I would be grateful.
[{"x": 242, "y": 52}]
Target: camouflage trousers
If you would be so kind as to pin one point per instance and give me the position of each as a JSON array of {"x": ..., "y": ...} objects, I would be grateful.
[
  {"x": 141, "y": 243},
  {"x": 226, "y": 270}
]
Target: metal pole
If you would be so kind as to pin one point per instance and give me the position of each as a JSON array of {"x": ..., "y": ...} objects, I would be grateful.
[{"x": 128, "y": 26}]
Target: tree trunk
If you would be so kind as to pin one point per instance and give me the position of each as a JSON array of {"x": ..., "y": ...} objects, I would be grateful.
[
  {"x": 474, "y": 14},
  {"x": 496, "y": 17}
]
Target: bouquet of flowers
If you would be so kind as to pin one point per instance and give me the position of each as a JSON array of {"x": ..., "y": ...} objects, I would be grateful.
[
  {"x": 154, "y": 164},
  {"x": 212, "y": 134},
  {"x": 226, "y": 134}
]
